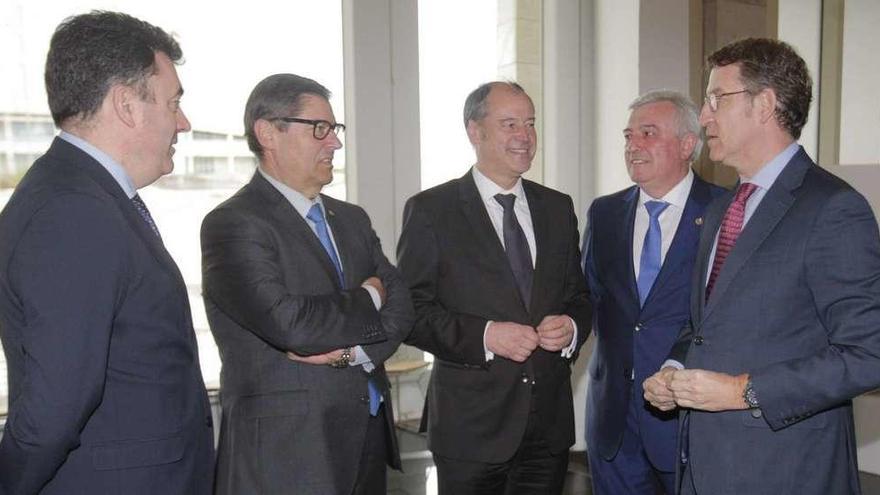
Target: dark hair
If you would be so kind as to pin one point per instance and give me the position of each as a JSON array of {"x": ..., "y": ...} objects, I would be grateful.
[
  {"x": 279, "y": 95},
  {"x": 91, "y": 52},
  {"x": 475, "y": 104},
  {"x": 767, "y": 63}
]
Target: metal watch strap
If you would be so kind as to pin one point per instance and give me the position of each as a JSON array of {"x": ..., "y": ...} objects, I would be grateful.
[{"x": 750, "y": 397}]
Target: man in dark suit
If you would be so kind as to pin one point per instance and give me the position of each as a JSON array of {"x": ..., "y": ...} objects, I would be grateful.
[
  {"x": 786, "y": 301},
  {"x": 492, "y": 262},
  {"x": 106, "y": 394},
  {"x": 305, "y": 308},
  {"x": 639, "y": 250}
]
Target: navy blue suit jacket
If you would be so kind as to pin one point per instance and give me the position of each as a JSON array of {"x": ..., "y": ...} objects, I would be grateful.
[
  {"x": 797, "y": 306},
  {"x": 105, "y": 390},
  {"x": 633, "y": 341}
]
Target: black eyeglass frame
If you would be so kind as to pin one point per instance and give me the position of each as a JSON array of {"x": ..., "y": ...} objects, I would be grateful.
[{"x": 316, "y": 124}]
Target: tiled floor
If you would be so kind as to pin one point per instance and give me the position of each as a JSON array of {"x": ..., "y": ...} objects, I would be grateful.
[{"x": 419, "y": 476}]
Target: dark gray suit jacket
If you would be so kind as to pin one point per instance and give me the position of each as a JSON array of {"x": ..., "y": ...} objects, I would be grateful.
[
  {"x": 269, "y": 287},
  {"x": 460, "y": 279},
  {"x": 105, "y": 390},
  {"x": 797, "y": 306}
]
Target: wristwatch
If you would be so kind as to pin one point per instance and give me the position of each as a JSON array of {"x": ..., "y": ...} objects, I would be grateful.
[
  {"x": 750, "y": 397},
  {"x": 343, "y": 360}
]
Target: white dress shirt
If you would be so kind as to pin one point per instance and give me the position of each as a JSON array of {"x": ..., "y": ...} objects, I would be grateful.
[
  {"x": 669, "y": 219},
  {"x": 488, "y": 190}
]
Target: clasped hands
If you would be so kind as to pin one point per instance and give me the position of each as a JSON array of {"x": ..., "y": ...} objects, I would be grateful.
[
  {"x": 517, "y": 342},
  {"x": 695, "y": 389},
  {"x": 332, "y": 357}
]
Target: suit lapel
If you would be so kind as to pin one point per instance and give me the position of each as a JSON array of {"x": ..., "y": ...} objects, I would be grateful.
[
  {"x": 687, "y": 234},
  {"x": 290, "y": 221},
  {"x": 541, "y": 228},
  {"x": 343, "y": 236},
  {"x": 770, "y": 211},
  {"x": 626, "y": 230}
]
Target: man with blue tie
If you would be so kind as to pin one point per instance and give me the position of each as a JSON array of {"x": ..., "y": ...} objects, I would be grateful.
[
  {"x": 785, "y": 302},
  {"x": 305, "y": 308},
  {"x": 639, "y": 250},
  {"x": 105, "y": 390}
]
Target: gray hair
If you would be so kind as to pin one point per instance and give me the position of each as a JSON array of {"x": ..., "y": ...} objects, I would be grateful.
[
  {"x": 279, "y": 95},
  {"x": 687, "y": 114},
  {"x": 475, "y": 104}
]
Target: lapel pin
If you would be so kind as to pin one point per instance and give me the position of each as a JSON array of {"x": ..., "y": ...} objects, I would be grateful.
[
  {"x": 330, "y": 212},
  {"x": 698, "y": 220}
]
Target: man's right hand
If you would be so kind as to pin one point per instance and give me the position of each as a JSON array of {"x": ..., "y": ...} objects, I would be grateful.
[
  {"x": 511, "y": 340},
  {"x": 658, "y": 391},
  {"x": 376, "y": 283}
]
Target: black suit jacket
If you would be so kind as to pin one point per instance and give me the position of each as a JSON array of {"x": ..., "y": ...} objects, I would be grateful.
[
  {"x": 460, "y": 279},
  {"x": 105, "y": 390},
  {"x": 269, "y": 288},
  {"x": 797, "y": 306}
]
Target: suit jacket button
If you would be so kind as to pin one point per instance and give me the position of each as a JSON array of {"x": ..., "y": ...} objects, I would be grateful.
[
  {"x": 698, "y": 340},
  {"x": 638, "y": 327},
  {"x": 756, "y": 413}
]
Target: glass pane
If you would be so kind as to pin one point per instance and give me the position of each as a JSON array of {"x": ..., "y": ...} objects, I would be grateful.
[
  {"x": 224, "y": 59},
  {"x": 452, "y": 63}
]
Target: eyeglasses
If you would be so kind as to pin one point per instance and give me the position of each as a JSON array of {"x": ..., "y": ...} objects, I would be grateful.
[
  {"x": 320, "y": 128},
  {"x": 712, "y": 98}
]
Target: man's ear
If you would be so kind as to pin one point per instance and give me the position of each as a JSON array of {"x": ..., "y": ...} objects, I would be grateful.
[
  {"x": 473, "y": 132},
  {"x": 766, "y": 103},
  {"x": 265, "y": 132},
  {"x": 126, "y": 104},
  {"x": 688, "y": 143}
]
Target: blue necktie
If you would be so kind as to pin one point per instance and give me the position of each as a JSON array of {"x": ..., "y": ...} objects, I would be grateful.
[
  {"x": 317, "y": 217},
  {"x": 141, "y": 208},
  {"x": 649, "y": 265}
]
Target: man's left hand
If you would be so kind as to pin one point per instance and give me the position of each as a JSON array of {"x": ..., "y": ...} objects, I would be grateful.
[
  {"x": 708, "y": 390},
  {"x": 555, "y": 332}
]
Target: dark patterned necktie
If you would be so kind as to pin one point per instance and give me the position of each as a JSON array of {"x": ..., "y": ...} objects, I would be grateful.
[
  {"x": 731, "y": 226},
  {"x": 141, "y": 208},
  {"x": 517, "y": 248}
]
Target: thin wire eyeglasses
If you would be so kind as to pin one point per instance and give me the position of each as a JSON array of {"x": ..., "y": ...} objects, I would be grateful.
[
  {"x": 712, "y": 98},
  {"x": 320, "y": 128}
]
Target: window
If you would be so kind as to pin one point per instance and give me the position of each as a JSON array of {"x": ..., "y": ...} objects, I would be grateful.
[
  {"x": 222, "y": 65},
  {"x": 444, "y": 85}
]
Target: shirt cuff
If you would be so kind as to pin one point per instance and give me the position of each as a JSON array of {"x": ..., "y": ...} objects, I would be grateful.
[
  {"x": 569, "y": 351},
  {"x": 672, "y": 363},
  {"x": 489, "y": 354},
  {"x": 361, "y": 359},
  {"x": 374, "y": 295}
]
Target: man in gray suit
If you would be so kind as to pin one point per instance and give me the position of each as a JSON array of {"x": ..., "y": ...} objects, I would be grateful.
[
  {"x": 785, "y": 307},
  {"x": 304, "y": 307}
]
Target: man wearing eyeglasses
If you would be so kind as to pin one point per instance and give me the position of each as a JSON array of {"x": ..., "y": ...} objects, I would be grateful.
[
  {"x": 304, "y": 307},
  {"x": 785, "y": 308}
]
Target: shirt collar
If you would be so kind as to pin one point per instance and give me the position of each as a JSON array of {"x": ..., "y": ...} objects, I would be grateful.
[
  {"x": 112, "y": 166},
  {"x": 677, "y": 196},
  {"x": 770, "y": 172},
  {"x": 489, "y": 189},
  {"x": 299, "y": 202}
]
